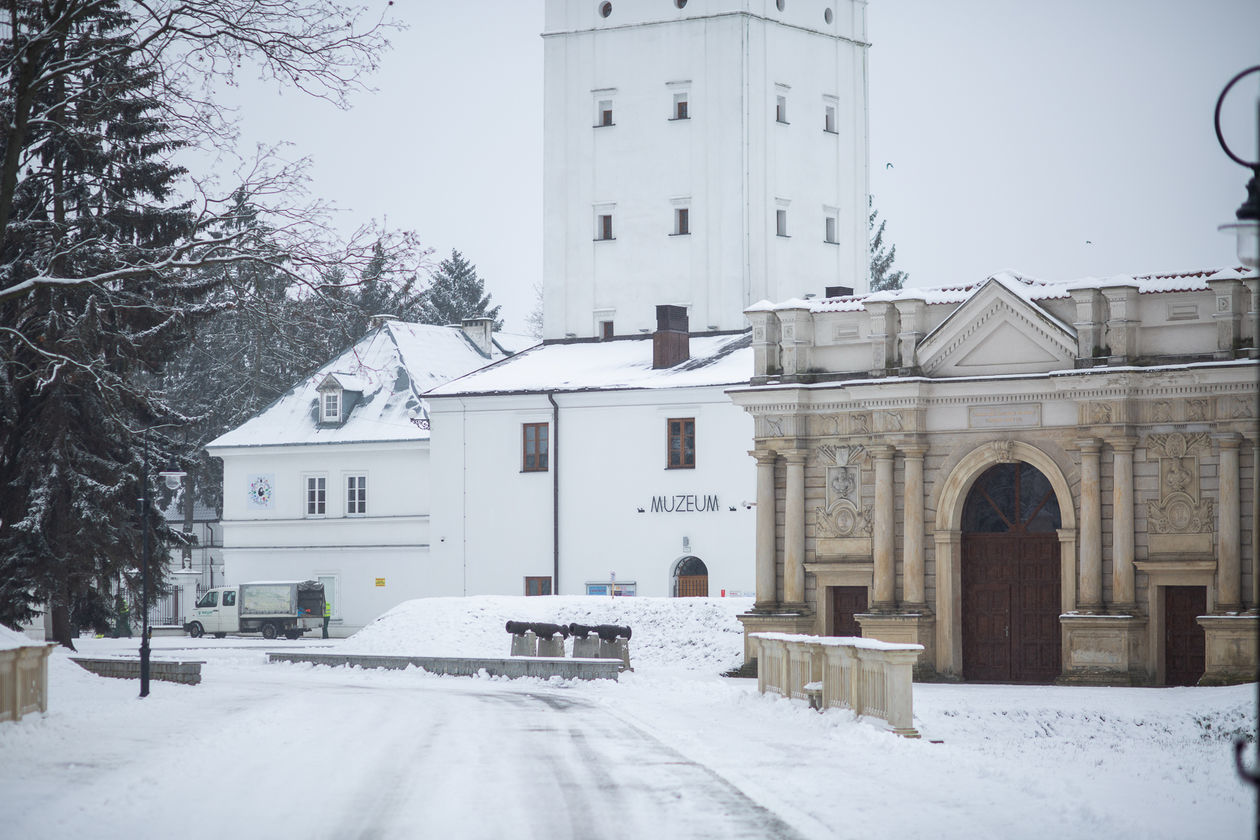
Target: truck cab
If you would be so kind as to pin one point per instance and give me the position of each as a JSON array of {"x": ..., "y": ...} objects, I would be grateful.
[{"x": 216, "y": 613}]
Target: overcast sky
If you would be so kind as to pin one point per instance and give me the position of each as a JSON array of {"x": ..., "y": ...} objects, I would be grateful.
[{"x": 1059, "y": 139}]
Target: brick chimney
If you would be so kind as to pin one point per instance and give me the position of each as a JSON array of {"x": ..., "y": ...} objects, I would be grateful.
[
  {"x": 479, "y": 331},
  {"x": 670, "y": 343}
]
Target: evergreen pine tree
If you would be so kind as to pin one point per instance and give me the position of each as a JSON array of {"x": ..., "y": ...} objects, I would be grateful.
[
  {"x": 883, "y": 277},
  {"x": 457, "y": 293}
]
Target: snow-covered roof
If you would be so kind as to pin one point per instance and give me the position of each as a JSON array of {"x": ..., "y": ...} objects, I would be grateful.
[
  {"x": 202, "y": 512},
  {"x": 391, "y": 367},
  {"x": 1026, "y": 287},
  {"x": 610, "y": 365}
]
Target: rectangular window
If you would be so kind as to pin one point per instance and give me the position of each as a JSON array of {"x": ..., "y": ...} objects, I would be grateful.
[
  {"x": 682, "y": 221},
  {"x": 605, "y": 330},
  {"x": 603, "y": 226},
  {"x": 830, "y": 233},
  {"x": 316, "y": 495},
  {"x": 680, "y": 106},
  {"x": 210, "y": 599},
  {"x": 229, "y": 598},
  {"x": 356, "y": 495},
  {"x": 829, "y": 118},
  {"x": 780, "y": 222},
  {"x": 534, "y": 447},
  {"x": 681, "y": 443},
  {"x": 332, "y": 407},
  {"x": 603, "y": 116},
  {"x": 537, "y": 586},
  {"x": 780, "y": 109}
]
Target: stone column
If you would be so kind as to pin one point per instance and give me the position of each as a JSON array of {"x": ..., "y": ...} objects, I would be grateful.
[
  {"x": 1123, "y": 597},
  {"x": 1091, "y": 526},
  {"x": 883, "y": 531},
  {"x": 949, "y": 602},
  {"x": 794, "y": 529},
  {"x": 1228, "y": 535},
  {"x": 767, "y": 594},
  {"x": 912, "y": 540}
]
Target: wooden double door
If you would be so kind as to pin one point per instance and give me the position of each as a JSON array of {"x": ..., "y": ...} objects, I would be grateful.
[
  {"x": 1010, "y": 607},
  {"x": 1185, "y": 643}
]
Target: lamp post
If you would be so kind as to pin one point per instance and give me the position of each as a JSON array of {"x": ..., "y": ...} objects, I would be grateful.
[
  {"x": 1246, "y": 231},
  {"x": 1247, "y": 227},
  {"x": 173, "y": 477}
]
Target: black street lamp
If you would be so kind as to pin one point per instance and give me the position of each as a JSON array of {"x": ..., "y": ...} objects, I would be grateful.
[
  {"x": 173, "y": 477},
  {"x": 1247, "y": 227}
]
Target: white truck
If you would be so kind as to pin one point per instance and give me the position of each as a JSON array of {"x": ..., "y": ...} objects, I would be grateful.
[{"x": 274, "y": 608}]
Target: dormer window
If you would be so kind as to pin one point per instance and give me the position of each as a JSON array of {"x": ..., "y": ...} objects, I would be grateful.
[{"x": 331, "y": 412}]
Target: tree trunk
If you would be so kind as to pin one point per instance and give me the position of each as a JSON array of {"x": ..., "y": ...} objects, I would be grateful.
[{"x": 63, "y": 631}]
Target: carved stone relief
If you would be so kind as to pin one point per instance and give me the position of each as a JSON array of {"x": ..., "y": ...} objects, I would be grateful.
[
  {"x": 1003, "y": 451},
  {"x": 774, "y": 426},
  {"x": 860, "y": 423},
  {"x": 1198, "y": 409},
  {"x": 1179, "y": 508},
  {"x": 1100, "y": 413},
  {"x": 841, "y": 516},
  {"x": 1240, "y": 407},
  {"x": 1161, "y": 411}
]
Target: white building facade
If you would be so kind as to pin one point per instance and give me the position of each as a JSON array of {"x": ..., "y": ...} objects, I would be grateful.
[
  {"x": 578, "y": 468},
  {"x": 332, "y": 481},
  {"x": 706, "y": 154}
]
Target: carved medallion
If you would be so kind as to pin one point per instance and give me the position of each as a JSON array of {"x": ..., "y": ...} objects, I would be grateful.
[{"x": 1179, "y": 508}]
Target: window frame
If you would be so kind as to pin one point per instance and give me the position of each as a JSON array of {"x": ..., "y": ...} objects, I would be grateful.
[
  {"x": 780, "y": 222},
  {"x": 682, "y": 221},
  {"x": 543, "y": 583},
  {"x": 541, "y": 455},
  {"x": 315, "y": 495},
  {"x": 604, "y": 113},
  {"x": 604, "y": 226},
  {"x": 780, "y": 109},
  {"x": 330, "y": 398},
  {"x": 830, "y": 228},
  {"x": 829, "y": 118},
  {"x": 684, "y": 434},
  {"x": 682, "y": 106},
  {"x": 356, "y": 496}
]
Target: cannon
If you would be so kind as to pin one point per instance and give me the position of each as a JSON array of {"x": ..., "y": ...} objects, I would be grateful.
[
  {"x": 542, "y": 642},
  {"x": 601, "y": 641},
  {"x": 610, "y": 632}
]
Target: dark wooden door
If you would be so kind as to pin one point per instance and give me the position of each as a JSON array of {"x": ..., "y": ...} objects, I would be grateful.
[
  {"x": 847, "y": 602},
  {"x": 1010, "y": 607},
  {"x": 693, "y": 586},
  {"x": 1184, "y": 641}
]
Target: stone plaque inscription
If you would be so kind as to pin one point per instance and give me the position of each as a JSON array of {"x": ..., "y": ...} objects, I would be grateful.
[{"x": 1003, "y": 416}]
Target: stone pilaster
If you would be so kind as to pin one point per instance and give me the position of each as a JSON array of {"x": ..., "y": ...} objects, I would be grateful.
[
  {"x": 912, "y": 540},
  {"x": 794, "y": 529},
  {"x": 1123, "y": 595},
  {"x": 882, "y": 532},
  {"x": 1228, "y": 534},
  {"x": 1090, "y": 597},
  {"x": 767, "y": 594}
]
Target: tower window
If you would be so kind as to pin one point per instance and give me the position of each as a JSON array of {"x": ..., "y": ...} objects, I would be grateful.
[
  {"x": 680, "y": 106},
  {"x": 829, "y": 119},
  {"x": 682, "y": 221},
  {"x": 604, "y": 226},
  {"x": 780, "y": 222},
  {"x": 831, "y": 230},
  {"x": 780, "y": 108},
  {"x": 604, "y": 114}
]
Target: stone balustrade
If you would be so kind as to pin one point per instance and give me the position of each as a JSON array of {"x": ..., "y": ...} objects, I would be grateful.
[
  {"x": 866, "y": 675},
  {"x": 23, "y": 680}
]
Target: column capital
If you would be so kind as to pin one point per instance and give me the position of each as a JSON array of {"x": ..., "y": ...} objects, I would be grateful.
[
  {"x": 1228, "y": 440},
  {"x": 1124, "y": 443},
  {"x": 795, "y": 456},
  {"x": 764, "y": 456},
  {"x": 882, "y": 451},
  {"x": 914, "y": 450},
  {"x": 1089, "y": 444}
]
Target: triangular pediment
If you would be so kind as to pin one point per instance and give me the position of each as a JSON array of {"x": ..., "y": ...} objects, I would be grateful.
[{"x": 997, "y": 331}]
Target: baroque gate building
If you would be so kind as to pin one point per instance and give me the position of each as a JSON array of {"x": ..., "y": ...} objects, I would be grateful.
[{"x": 1038, "y": 482}]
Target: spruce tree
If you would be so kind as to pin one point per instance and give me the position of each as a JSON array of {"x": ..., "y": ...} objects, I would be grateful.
[
  {"x": 883, "y": 277},
  {"x": 456, "y": 293}
]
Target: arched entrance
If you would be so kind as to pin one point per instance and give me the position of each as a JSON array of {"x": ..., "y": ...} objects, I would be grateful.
[
  {"x": 691, "y": 578},
  {"x": 1010, "y": 577}
]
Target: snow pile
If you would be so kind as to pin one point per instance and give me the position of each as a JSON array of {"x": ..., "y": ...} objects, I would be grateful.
[
  {"x": 700, "y": 634},
  {"x": 10, "y": 639}
]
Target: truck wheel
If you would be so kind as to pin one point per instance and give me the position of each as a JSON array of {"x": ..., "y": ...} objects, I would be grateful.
[
  {"x": 291, "y": 634},
  {"x": 269, "y": 630},
  {"x": 196, "y": 630},
  {"x": 220, "y": 635}
]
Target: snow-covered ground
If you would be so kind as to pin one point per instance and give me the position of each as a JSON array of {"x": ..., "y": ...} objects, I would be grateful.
[{"x": 671, "y": 750}]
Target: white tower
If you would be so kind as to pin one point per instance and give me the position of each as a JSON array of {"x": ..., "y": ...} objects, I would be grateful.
[{"x": 702, "y": 153}]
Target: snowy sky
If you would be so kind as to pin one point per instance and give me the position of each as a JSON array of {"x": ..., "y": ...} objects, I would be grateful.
[{"x": 1061, "y": 140}]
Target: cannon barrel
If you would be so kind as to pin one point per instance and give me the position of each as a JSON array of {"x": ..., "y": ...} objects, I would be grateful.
[
  {"x": 581, "y": 631},
  {"x": 541, "y": 629},
  {"x": 546, "y": 631},
  {"x": 610, "y": 632}
]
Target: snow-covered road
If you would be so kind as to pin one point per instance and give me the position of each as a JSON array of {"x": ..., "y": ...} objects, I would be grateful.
[{"x": 669, "y": 751}]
